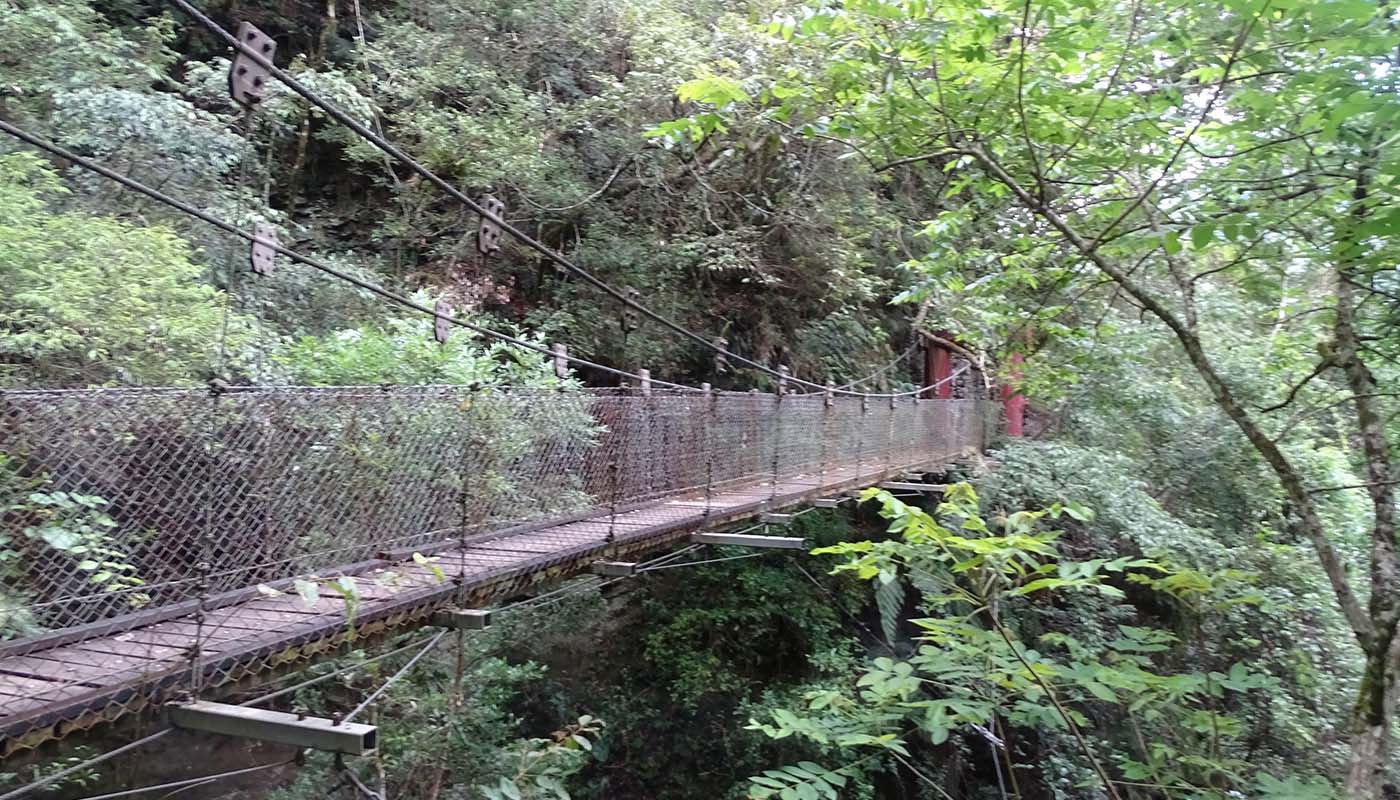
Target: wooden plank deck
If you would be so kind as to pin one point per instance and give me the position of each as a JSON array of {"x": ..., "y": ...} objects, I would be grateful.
[{"x": 75, "y": 680}]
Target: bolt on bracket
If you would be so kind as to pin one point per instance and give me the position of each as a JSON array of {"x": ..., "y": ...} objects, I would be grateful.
[
  {"x": 442, "y": 326},
  {"x": 488, "y": 235},
  {"x": 263, "y": 254},
  {"x": 247, "y": 78}
]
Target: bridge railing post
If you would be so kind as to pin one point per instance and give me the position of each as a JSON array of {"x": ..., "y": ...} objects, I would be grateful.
[
  {"x": 649, "y": 452},
  {"x": 889, "y": 435},
  {"x": 780, "y": 390},
  {"x": 711, "y": 401},
  {"x": 623, "y": 443},
  {"x": 824, "y": 452},
  {"x": 860, "y": 436}
]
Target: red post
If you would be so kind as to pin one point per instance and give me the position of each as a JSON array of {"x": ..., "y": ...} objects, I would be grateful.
[
  {"x": 943, "y": 370},
  {"x": 1012, "y": 397},
  {"x": 938, "y": 367}
]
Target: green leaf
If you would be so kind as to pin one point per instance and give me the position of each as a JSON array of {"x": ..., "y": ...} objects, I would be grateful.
[
  {"x": 1171, "y": 242},
  {"x": 1202, "y": 235},
  {"x": 713, "y": 90},
  {"x": 309, "y": 590}
]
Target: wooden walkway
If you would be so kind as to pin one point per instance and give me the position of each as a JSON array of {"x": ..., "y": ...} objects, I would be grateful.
[{"x": 73, "y": 680}]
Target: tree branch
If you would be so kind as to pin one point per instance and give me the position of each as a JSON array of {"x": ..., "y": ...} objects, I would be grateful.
[{"x": 1289, "y": 477}]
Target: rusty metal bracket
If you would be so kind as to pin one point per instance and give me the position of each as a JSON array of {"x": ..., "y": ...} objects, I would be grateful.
[
  {"x": 263, "y": 255},
  {"x": 246, "y": 77},
  {"x": 630, "y": 320},
  {"x": 488, "y": 235},
  {"x": 442, "y": 324},
  {"x": 561, "y": 361},
  {"x": 721, "y": 363}
]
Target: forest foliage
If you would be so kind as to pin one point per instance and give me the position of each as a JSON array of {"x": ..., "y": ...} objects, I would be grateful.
[{"x": 1182, "y": 215}]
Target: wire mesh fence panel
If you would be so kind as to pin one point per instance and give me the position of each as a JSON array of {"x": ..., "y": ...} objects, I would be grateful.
[
  {"x": 802, "y": 421},
  {"x": 181, "y": 538}
]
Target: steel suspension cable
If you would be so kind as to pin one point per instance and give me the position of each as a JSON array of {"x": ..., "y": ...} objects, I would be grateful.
[
  {"x": 335, "y": 112},
  {"x": 404, "y": 670},
  {"x": 191, "y": 782},
  {"x": 334, "y": 674},
  {"x": 84, "y": 765},
  {"x": 882, "y": 370},
  {"x": 702, "y": 563},
  {"x": 228, "y": 227},
  {"x": 387, "y": 294}
]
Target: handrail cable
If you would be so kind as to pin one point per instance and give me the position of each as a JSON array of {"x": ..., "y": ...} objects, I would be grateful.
[
  {"x": 882, "y": 370},
  {"x": 335, "y": 112}
]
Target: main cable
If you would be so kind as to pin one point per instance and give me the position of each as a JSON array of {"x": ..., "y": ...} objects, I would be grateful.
[
  {"x": 336, "y": 113},
  {"x": 228, "y": 227},
  {"x": 393, "y": 297}
]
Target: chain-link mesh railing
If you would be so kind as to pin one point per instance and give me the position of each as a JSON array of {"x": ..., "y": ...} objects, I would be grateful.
[{"x": 155, "y": 537}]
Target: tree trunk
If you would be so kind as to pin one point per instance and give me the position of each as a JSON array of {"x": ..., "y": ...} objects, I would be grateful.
[
  {"x": 1371, "y": 743},
  {"x": 1370, "y": 747}
]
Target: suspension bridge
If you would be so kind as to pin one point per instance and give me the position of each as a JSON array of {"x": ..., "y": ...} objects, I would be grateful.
[
  {"x": 168, "y": 545},
  {"x": 397, "y": 502}
]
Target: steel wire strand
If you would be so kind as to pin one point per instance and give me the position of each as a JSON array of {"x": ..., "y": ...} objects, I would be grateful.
[
  {"x": 393, "y": 297},
  {"x": 577, "y": 589},
  {"x": 404, "y": 670},
  {"x": 670, "y": 556},
  {"x": 89, "y": 763},
  {"x": 582, "y": 590},
  {"x": 336, "y": 113},
  {"x": 835, "y": 602},
  {"x": 398, "y": 299},
  {"x": 565, "y": 591},
  {"x": 296, "y": 687},
  {"x": 191, "y": 782},
  {"x": 702, "y": 563},
  {"x": 882, "y": 370}
]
